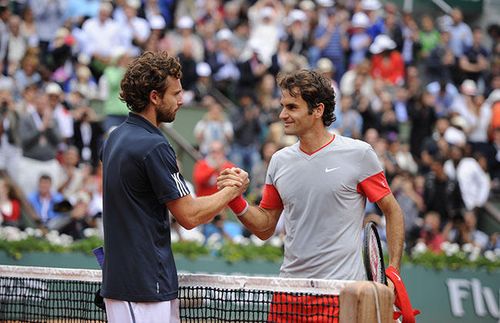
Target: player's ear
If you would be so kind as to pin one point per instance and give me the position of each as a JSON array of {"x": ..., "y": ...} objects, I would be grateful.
[
  {"x": 319, "y": 110},
  {"x": 154, "y": 97}
]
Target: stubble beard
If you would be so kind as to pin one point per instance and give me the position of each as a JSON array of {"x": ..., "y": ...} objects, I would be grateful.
[{"x": 165, "y": 116}]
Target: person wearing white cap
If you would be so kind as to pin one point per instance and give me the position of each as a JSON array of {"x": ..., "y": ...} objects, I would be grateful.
[
  {"x": 64, "y": 119},
  {"x": 157, "y": 24},
  {"x": 173, "y": 42},
  {"x": 371, "y": 8},
  {"x": 387, "y": 63},
  {"x": 360, "y": 40},
  {"x": 298, "y": 31},
  {"x": 203, "y": 85},
  {"x": 476, "y": 115}
]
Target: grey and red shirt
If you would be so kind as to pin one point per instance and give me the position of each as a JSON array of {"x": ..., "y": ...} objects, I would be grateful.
[{"x": 323, "y": 196}]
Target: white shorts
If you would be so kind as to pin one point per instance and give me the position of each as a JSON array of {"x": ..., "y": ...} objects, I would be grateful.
[{"x": 143, "y": 312}]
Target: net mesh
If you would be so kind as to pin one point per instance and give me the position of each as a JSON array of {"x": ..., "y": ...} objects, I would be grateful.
[{"x": 35, "y": 294}]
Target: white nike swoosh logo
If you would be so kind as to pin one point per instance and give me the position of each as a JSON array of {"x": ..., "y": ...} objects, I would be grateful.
[{"x": 327, "y": 170}]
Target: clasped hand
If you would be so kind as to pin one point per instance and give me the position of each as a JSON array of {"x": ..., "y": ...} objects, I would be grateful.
[{"x": 233, "y": 177}]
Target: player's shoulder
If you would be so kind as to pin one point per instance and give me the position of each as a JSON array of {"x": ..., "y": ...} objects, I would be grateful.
[
  {"x": 286, "y": 152},
  {"x": 352, "y": 143}
]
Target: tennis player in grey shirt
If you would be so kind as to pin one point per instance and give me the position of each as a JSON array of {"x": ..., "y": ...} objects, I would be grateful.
[{"x": 320, "y": 186}]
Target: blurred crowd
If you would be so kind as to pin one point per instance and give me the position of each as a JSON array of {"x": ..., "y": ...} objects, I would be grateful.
[{"x": 424, "y": 91}]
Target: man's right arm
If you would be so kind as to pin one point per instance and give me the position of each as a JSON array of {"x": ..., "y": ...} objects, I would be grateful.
[
  {"x": 261, "y": 222},
  {"x": 191, "y": 212}
]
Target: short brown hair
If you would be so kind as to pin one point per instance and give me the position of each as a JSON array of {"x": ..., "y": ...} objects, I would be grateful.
[
  {"x": 314, "y": 88},
  {"x": 147, "y": 73}
]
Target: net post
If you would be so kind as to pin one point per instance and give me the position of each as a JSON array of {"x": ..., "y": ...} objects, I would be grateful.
[{"x": 366, "y": 301}]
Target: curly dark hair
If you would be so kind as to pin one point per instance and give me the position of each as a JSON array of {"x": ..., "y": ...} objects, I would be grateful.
[
  {"x": 147, "y": 73},
  {"x": 314, "y": 88}
]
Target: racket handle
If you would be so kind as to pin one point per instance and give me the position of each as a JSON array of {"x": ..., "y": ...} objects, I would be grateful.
[{"x": 402, "y": 299}]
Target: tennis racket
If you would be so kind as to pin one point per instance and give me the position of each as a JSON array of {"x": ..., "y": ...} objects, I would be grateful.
[{"x": 373, "y": 256}]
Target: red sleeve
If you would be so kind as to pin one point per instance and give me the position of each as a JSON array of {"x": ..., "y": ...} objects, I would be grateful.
[
  {"x": 271, "y": 198},
  {"x": 374, "y": 187}
]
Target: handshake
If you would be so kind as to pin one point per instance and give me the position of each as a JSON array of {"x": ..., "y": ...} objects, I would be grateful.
[{"x": 234, "y": 178}]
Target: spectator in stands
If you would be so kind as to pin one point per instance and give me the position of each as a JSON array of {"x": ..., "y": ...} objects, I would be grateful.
[
  {"x": 224, "y": 64},
  {"x": 349, "y": 122},
  {"x": 27, "y": 74},
  {"x": 258, "y": 173},
  {"x": 61, "y": 113},
  {"x": 102, "y": 35},
  {"x": 411, "y": 46},
  {"x": 43, "y": 200},
  {"x": 135, "y": 30},
  {"x": 18, "y": 44},
  {"x": 74, "y": 176},
  {"x": 203, "y": 85},
  {"x": 423, "y": 116},
  {"x": 428, "y": 37},
  {"x": 441, "y": 62},
  {"x": 464, "y": 230},
  {"x": 205, "y": 171},
  {"x": 248, "y": 132},
  {"x": 28, "y": 26},
  {"x": 174, "y": 41},
  {"x": 10, "y": 208},
  {"x": 360, "y": 40},
  {"x": 430, "y": 233},
  {"x": 109, "y": 87},
  {"x": 265, "y": 19},
  {"x": 188, "y": 71},
  {"x": 441, "y": 194},
  {"x": 460, "y": 34},
  {"x": 4, "y": 40},
  {"x": 359, "y": 76},
  {"x": 473, "y": 181},
  {"x": 474, "y": 60},
  {"x": 88, "y": 134},
  {"x": 330, "y": 42},
  {"x": 298, "y": 34},
  {"x": 214, "y": 126},
  {"x": 251, "y": 72},
  {"x": 10, "y": 140},
  {"x": 444, "y": 94},
  {"x": 49, "y": 17},
  {"x": 84, "y": 83},
  {"x": 387, "y": 64},
  {"x": 372, "y": 9},
  {"x": 40, "y": 138},
  {"x": 411, "y": 202}
]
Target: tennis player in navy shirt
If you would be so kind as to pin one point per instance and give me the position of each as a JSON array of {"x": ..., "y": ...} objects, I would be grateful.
[{"x": 142, "y": 181}]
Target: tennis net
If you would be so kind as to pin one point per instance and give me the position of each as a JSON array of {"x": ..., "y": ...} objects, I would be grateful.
[{"x": 37, "y": 294}]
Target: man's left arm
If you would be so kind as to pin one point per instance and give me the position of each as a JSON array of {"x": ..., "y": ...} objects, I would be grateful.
[{"x": 395, "y": 228}]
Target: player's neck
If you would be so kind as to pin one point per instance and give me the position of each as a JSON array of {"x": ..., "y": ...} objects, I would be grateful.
[
  {"x": 314, "y": 140},
  {"x": 150, "y": 115}
]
